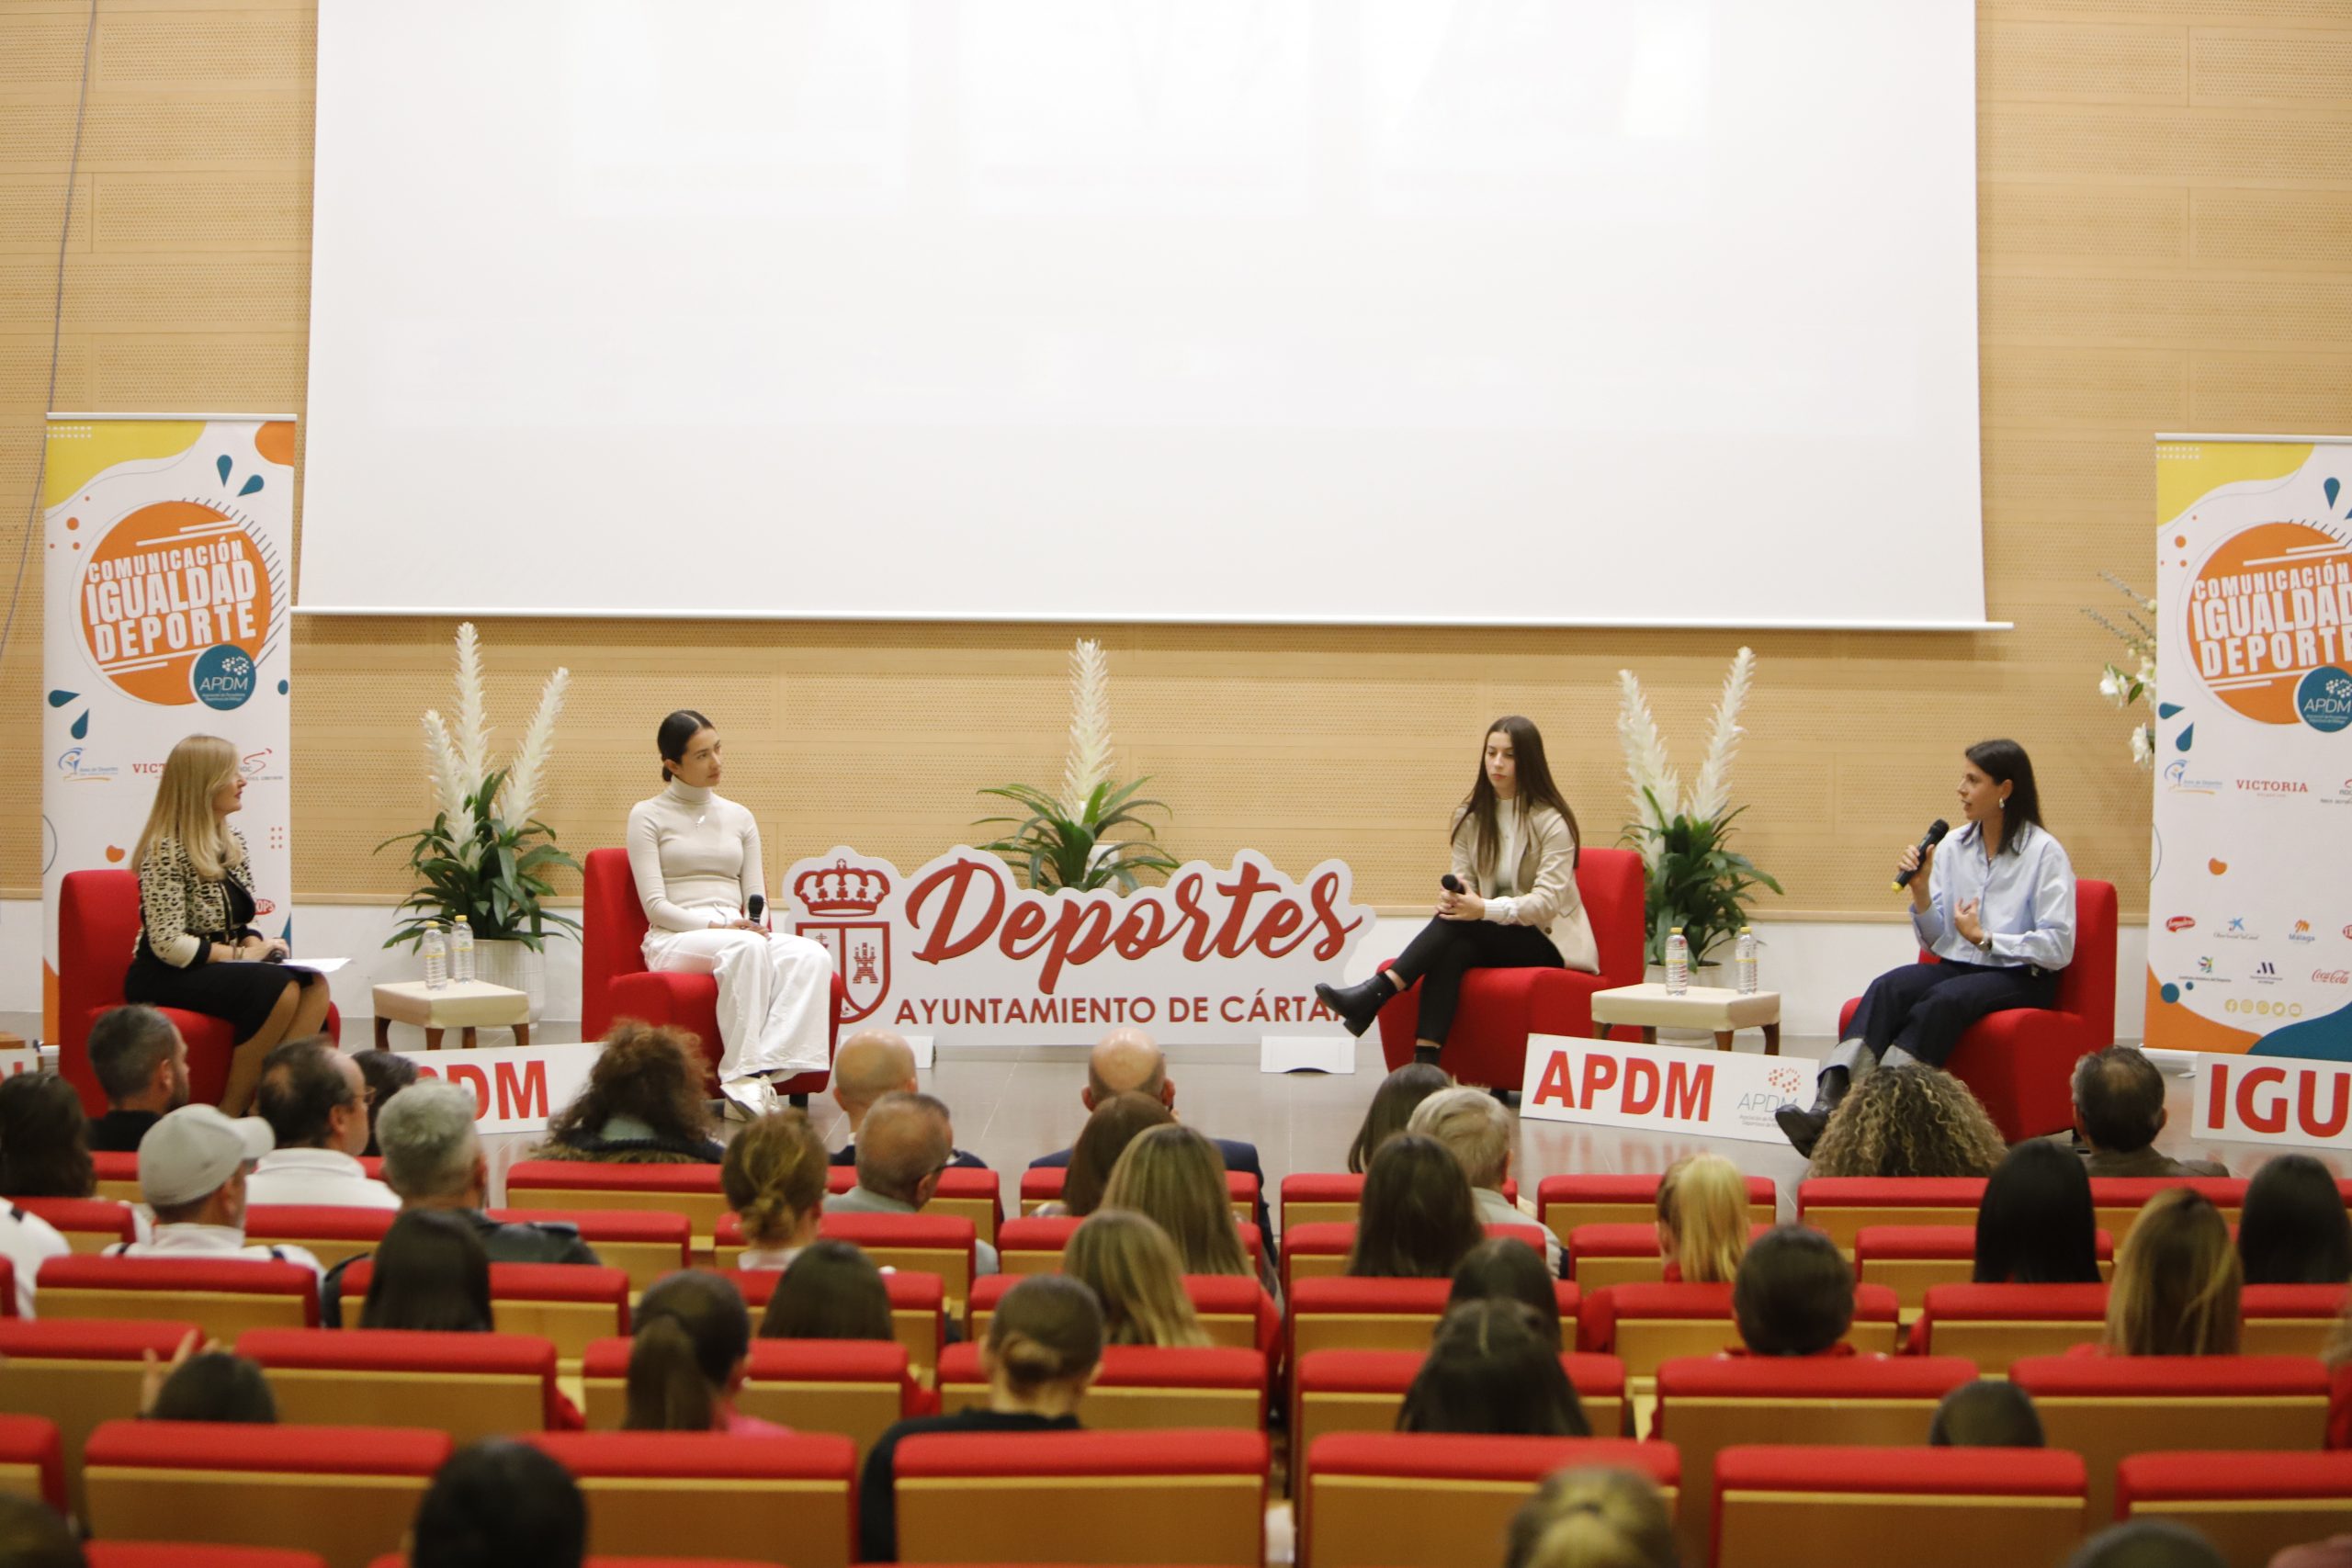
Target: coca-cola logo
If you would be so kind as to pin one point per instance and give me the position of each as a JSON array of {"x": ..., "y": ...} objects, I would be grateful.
[{"x": 2331, "y": 976}]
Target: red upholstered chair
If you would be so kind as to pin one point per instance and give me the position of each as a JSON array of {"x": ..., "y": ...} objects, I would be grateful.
[
  {"x": 97, "y": 927},
  {"x": 918, "y": 1312},
  {"x": 2118, "y": 1200},
  {"x": 1647, "y": 1325},
  {"x": 716, "y": 1493},
  {"x": 852, "y": 1388},
  {"x": 1336, "y": 1312},
  {"x": 182, "y": 1554},
  {"x": 2288, "y": 1320},
  {"x": 1042, "y": 1184},
  {"x": 32, "y": 1459},
  {"x": 927, "y": 1244},
  {"x": 1997, "y": 1326},
  {"x": 1236, "y": 1311},
  {"x": 970, "y": 1190},
  {"x": 329, "y": 1231},
  {"x": 1033, "y": 1244},
  {"x": 1321, "y": 1251},
  {"x": 1418, "y": 1500},
  {"x": 468, "y": 1385},
  {"x": 78, "y": 1373},
  {"x": 2020, "y": 1063},
  {"x": 2250, "y": 1505},
  {"x": 1840, "y": 1206},
  {"x": 225, "y": 1296},
  {"x": 1912, "y": 1260},
  {"x": 1501, "y": 1008},
  {"x": 615, "y": 982},
  {"x": 1139, "y": 1387},
  {"x": 1798, "y": 1508},
  {"x": 117, "y": 1174},
  {"x": 1564, "y": 1202},
  {"x": 89, "y": 1224},
  {"x": 1361, "y": 1390},
  {"x": 1602, "y": 1255},
  {"x": 569, "y": 1303},
  {"x": 689, "y": 1189},
  {"x": 648, "y": 1243},
  {"x": 1314, "y": 1198}
]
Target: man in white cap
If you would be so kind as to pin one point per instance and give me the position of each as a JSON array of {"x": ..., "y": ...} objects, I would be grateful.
[{"x": 192, "y": 1168}]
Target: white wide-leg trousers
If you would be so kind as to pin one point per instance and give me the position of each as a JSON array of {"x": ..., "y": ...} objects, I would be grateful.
[{"x": 775, "y": 992}]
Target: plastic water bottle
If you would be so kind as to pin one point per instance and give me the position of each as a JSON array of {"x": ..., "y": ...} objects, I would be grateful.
[
  {"x": 1744, "y": 962},
  {"x": 1678, "y": 962},
  {"x": 461, "y": 951},
  {"x": 436, "y": 959}
]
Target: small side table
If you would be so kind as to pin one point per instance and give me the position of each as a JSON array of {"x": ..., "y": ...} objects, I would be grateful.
[
  {"x": 1713, "y": 1007},
  {"x": 462, "y": 1005}
]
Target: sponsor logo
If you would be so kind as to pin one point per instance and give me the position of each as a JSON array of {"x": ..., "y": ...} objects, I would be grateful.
[
  {"x": 2263, "y": 616},
  {"x": 175, "y": 603},
  {"x": 2235, "y": 930},
  {"x": 2302, "y": 933},
  {"x": 2177, "y": 780},
  {"x": 2181, "y": 923},
  {"x": 75, "y": 771},
  {"x": 222, "y": 677},
  {"x": 2265, "y": 973},
  {"x": 2331, "y": 976},
  {"x": 2204, "y": 966},
  {"x": 2263, "y": 1007},
  {"x": 2273, "y": 787}
]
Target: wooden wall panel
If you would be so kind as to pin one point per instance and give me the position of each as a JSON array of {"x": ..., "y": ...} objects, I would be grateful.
[{"x": 2165, "y": 208}]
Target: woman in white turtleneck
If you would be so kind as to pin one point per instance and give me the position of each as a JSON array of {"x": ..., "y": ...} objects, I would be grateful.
[{"x": 695, "y": 856}]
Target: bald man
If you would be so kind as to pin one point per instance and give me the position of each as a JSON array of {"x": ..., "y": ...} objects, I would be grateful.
[
  {"x": 1127, "y": 1058},
  {"x": 869, "y": 1064},
  {"x": 908, "y": 1139}
]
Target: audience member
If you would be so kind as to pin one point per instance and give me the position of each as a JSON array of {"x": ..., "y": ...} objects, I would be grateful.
[
  {"x": 1702, "y": 1222},
  {"x": 773, "y": 1177},
  {"x": 643, "y": 1105},
  {"x": 192, "y": 1166},
  {"x": 1127, "y": 1059},
  {"x": 1477, "y": 1130},
  {"x": 1043, "y": 1345},
  {"x": 1417, "y": 1220},
  {"x": 1909, "y": 1121},
  {"x": 2293, "y": 1229},
  {"x": 315, "y": 1101},
  {"x": 44, "y": 1139},
  {"x": 434, "y": 1159},
  {"x": 1175, "y": 1177},
  {"x": 1795, "y": 1293},
  {"x": 905, "y": 1143},
  {"x": 1503, "y": 1267},
  {"x": 430, "y": 1273},
  {"x": 867, "y": 1066},
  {"x": 2035, "y": 1225},
  {"x": 692, "y": 1347},
  {"x": 1132, "y": 1268},
  {"x": 28, "y": 1241},
  {"x": 1987, "y": 1414},
  {"x": 386, "y": 1073},
  {"x": 2147, "y": 1543},
  {"x": 1493, "y": 1369},
  {"x": 140, "y": 1064},
  {"x": 210, "y": 1385},
  {"x": 500, "y": 1504},
  {"x": 1117, "y": 1123},
  {"x": 2177, "y": 1281},
  {"x": 1392, "y": 1104},
  {"x": 832, "y": 1290},
  {"x": 2118, "y": 1111},
  {"x": 1593, "y": 1519},
  {"x": 33, "y": 1535}
]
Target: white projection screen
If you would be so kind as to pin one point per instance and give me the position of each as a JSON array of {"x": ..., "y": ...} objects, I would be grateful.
[{"x": 1391, "y": 311}]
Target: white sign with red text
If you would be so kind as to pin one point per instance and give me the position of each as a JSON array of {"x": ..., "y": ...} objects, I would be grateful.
[
  {"x": 1682, "y": 1089},
  {"x": 2274, "y": 1099},
  {"x": 516, "y": 1088},
  {"x": 962, "y": 952}
]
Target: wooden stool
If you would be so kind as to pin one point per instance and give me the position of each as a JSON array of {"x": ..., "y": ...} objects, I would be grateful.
[
  {"x": 1712, "y": 1008},
  {"x": 462, "y": 1005}
]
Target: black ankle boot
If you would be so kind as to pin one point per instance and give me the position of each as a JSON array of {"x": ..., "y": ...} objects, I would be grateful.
[
  {"x": 1425, "y": 1056},
  {"x": 1357, "y": 1006},
  {"x": 1803, "y": 1128}
]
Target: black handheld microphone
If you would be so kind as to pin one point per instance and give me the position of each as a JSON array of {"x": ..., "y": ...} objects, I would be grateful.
[
  {"x": 759, "y": 906},
  {"x": 1935, "y": 835},
  {"x": 1451, "y": 883}
]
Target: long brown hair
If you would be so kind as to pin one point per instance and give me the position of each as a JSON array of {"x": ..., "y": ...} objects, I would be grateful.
[
  {"x": 2177, "y": 1281},
  {"x": 1131, "y": 1266},
  {"x": 194, "y": 772},
  {"x": 1418, "y": 1220},
  {"x": 692, "y": 1330},
  {"x": 1534, "y": 788},
  {"x": 1177, "y": 1178},
  {"x": 1117, "y": 1123},
  {"x": 1392, "y": 1104}
]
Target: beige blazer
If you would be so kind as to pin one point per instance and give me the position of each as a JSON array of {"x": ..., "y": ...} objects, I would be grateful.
[{"x": 1548, "y": 899}]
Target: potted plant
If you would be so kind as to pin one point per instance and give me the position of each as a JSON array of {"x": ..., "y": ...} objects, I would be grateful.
[
  {"x": 2126, "y": 688},
  {"x": 486, "y": 856},
  {"x": 1062, "y": 841}
]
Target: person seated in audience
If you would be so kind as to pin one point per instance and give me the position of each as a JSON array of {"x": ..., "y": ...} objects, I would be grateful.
[
  {"x": 2177, "y": 1282},
  {"x": 1477, "y": 1130},
  {"x": 643, "y": 1105},
  {"x": 691, "y": 1349},
  {"x": 1175, "y": 1177},
  {"x": 1702, "y": 1221},
  {"x": 1132, "y": 1268},
  {"x": 140, "y": 1064},
  {"x": 2147, "y": 1543},
  {"x": 1417, "y": 1220},
  {"x": 867, "y": 1066},
  {"x": 2335, "y": 1551},
  {"x": 2118, "y": 1111},
  {"x": 207, "y": 1384},
  {"x": 34, "y": 1535},
  {"x": 386, "y": 1073},
  {"x": 1392, "y": 1104},
  {"x": 832, "y": 1290},
  {"x": 2293, "y": 1229},
  {"x": 434, "y": 1159},
  {"x": 773, "y": 1177},
  {"x": 1593, "y": 1518},
  {"x": 500, "y": 1504},
  {"x": 316, "y": 1104},
  {"x": 2035, "y": 1224},
  {"x": 192, "y": 1166},
  {"x": 429, "y": 1273},
  {"x": 1493, "y": 1370},
  {"x": 1988, "y": 1414},
  {"x": 1795, "y": 1294},
  {"x": 44, "y": 1139},
  {"x": 1117, "y": 1123},
  {"x": 1127, "y": 1059},
  {"x": 1909, "y": 1121},
  {"x": 1042, "y": 1351},
  {"x": 907, "y": 1141},
  {"x": 1503, "y": 1267},
  {"x": 28, "y": 1241}
]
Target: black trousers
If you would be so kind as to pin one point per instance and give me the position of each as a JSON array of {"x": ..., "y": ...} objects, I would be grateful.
[
  {"x": 1924, "y": 1008},
  {"x": 1446, "y": 950}
]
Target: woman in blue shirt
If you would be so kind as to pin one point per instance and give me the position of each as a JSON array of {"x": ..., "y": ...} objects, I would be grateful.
[{"x": 1995, "y": 906}]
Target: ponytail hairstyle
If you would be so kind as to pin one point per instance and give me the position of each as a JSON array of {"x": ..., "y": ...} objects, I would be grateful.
[
  {"x": 774, "y": 1176},
  {"x": 675, "y": 731},
  {"x": 693, "y": 1335},
  {"x": 1702, "y": 1218},
  {"x": 1047, "y": 1330},
  {"x": 1593, "y": 1519},
  {"x": 1534, "y": 788},
  {"x": 2004, "y": 761},
  {"x": 1131, "y": 1266},
  {"x": 197, "y": 770}
]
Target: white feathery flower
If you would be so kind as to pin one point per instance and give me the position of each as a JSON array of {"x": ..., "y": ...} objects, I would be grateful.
[
  {"x": 1713, "y": 792},
  {"x": 445, "y": 769},
  {"x": 1648, "y": 770},
  {"x": 2143, "y": 744},
  {"x": 2111, "y": 686},
  {"x": 529, "y": 772},
  {"x": 473, "y": 737},
  {"x": 2147, "y": 677},
  {"x": 1088, "y": 762}
]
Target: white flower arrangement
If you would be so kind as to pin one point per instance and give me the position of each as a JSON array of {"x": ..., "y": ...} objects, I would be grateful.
[
  {"x": 2124, "y": 688},
  {"x": 1088, "y": 762}
]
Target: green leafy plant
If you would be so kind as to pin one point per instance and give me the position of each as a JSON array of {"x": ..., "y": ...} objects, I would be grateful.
[
  {"x": 492, "y": 871},
  {"x": 1695, "y": 882}
]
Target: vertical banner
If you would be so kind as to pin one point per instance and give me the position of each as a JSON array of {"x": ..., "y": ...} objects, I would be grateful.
[
  {"x": 169, "y": 547},
  {"x": 2250, "y": 896}
]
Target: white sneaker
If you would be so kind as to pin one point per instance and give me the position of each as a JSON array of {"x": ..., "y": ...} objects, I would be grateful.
[{"x": 754, "y": 1096}]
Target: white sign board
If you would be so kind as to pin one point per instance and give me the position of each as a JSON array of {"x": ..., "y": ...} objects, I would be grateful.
[
  {"x": 26, "y": 1061},
  {"x": 1681, "y": 1088},
  {"x": 2274, "y": 1100},
  {"x": 516, "y": 1088}
]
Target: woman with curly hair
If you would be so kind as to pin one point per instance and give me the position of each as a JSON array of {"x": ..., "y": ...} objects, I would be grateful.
[
  {"x": 643, "y": 1105},
  {"x": 1909, "y": 1122}
]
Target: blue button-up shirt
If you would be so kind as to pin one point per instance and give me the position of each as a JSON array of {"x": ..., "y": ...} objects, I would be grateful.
[{"x": 2025, "y": 900}]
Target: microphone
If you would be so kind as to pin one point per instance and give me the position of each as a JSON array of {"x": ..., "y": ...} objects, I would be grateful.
[
  {"x": 759, "y": 907},
  {"x": 1451, "y": 883},
  {"x": 1934, "y": 836}
]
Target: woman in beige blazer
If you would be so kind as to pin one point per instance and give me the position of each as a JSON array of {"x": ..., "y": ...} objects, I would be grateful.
[{"x": 1509, "y": 902}]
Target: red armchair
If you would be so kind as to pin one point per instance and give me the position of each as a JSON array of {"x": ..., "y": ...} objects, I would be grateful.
[
  {"x": 615, "y": 982},
  {"x": 1501, "y": 1008},
  {"x": 98, "y": 926},
  {"x": 2020, "y": 1063}
]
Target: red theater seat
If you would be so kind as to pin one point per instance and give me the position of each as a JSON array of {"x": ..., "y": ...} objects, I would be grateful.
[
  {"x": 1501, "y": 1008},
  {"x": 183, "y": 1555},
  {"x": 615, "y": 982},
  {"x": 97, "y": 927},
  {"x": 716, "y": 1493},
  {"x": 225, "y": 1296},
  {"x": 2288, "y": 1320},
  {"x": 2250, "y": 1505},
  {"x": 2118, "y": 1200},
  {"x": 1646, "y": 1324},
  {"x": 79, "y": 1372},
  {"x": 1602, "y": 1255},
  {"x": 851, "y": 1388},
  {"x": 1564, "y": 1203},
  {"x": 468, "y": 1385},
  {"x": 1912, "y": 1260},
  {"x": 925, "y": 1243},
  {"x": 89, "y": 1224},
  {"x": 1139, "y": 1387},
  {"x": 32, "y": 1459},
  {"x": 1321, "y": 1251},
  {"x": 1313, "y": 1198},
  {"x": 1234, "y": 1308},
  {"x": 117, "y": 1174},
  {"x": 918, "y": 1315},
  {"x": 566, "y": 1184},
  {"x": 1042, "y": 1184},
  {"x": 1361, "y": 1390},
  {"x": 972, "y": 1192},
  {"x": 1997, "y": 1326},
  {"x": 1802, "y": 1507},
  {"x": 329, "y": 1232},
  {"x": 567, "y": 1304},
  {"x": 2020, "y": 1063},
  {"x": 647, "y": 1243},
  {"x": 1033, "y": 1244},
  {"x": 1841, "y": 1206},
  {"x": 1337, "y": 1312}
]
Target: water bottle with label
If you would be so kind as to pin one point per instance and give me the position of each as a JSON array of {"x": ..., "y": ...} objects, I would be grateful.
[
  {"x": 436, "y": 959},
  {"x": 461, "y": 951},
  {"x": 1678, "y": 964},
  {"x": 1744, "y": 962}
]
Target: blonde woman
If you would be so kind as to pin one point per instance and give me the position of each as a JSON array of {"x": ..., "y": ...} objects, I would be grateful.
[
  {"x": 773, "y": 1177},
  {"x": 2177, "y": 1281},
  {"x": 1175, "y": 1177},
  {"x": 1129, "y": 1263},
  {"x": 197, "y": 948},
  {"x": 1702, "y": 1219}
]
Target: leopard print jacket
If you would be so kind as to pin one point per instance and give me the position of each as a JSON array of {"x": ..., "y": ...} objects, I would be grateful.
[{"x": 182, "y": 912}]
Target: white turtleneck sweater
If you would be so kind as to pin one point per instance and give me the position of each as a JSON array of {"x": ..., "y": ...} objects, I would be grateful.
[{"x": 695, "y": 856}]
